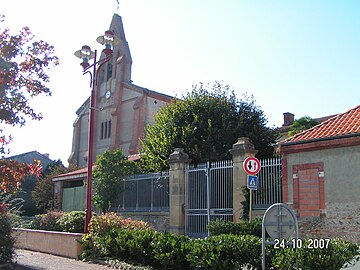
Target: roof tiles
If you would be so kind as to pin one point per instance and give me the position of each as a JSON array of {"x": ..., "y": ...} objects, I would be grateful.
[{"x": 340, "y": 125}]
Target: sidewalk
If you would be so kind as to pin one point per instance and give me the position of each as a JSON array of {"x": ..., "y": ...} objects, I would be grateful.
[{"x": 31, "y": 260}]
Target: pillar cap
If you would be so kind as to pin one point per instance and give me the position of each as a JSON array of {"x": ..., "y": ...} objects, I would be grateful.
[
  {"x": 178, "y": 156},
  {"x": 242, "y": 146}
]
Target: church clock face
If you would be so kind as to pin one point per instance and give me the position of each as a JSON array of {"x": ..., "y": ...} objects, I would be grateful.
[{"x": 107, "y": 94}]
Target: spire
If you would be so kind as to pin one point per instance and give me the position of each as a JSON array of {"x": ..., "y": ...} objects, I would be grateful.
[{"x": 121, "y": 49}]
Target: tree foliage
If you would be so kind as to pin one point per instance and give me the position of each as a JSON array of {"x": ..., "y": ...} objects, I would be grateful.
[
  {"x": 110, "y": 169},
  {"x": 12, "y": 172},
  {"x": 23, "y": 65},
  {"x": 43, "y": 192},
  {"x": 206, "y": 123},
  {"x": 301, "y": 124}
]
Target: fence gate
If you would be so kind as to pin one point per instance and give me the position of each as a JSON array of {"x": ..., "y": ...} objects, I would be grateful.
[
  {"x": 269, "y": 184},
  {"x": 209, "y": 195}
]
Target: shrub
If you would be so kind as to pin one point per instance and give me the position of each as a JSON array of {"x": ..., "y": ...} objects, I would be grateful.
[
  {"x": 110, "y": 220},
  {"x": 102, "y": 228},
  {"x": 110, "y": 238},
  {"x": 170, "y": 250},
  {"x": 47, "y": 221},
  {"x": 59, "y": 221},
  {"x": 72, "y": 222},
  {"x": 332, "y": 257},
  {"x": 6, "y": 241},
  {"x": 224, "y": 252},
  {"x": 130, "y": 245},
  {"x": 218, "y": 227}
]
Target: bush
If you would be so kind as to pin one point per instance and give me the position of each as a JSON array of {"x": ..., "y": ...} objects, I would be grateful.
[
  {"x": 224, "y": 252},
  {"x": 102, "y": 228},
  {"x": 59, "y": 221},
  {"x": 47, "y": 221},
  {"x": 110, "y": 220},
  {"x": 170, "y": 250},
  {"x": 6, "y": 241},
  {"x": 72, "y": 222},
  {"x": 129, "y": 245},
  {"x": 218, "y": 227},
  {"x": 332, "y": 257}
]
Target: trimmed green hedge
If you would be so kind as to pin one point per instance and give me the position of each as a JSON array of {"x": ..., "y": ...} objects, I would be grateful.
[
  {"x": 134, "y": 244},
  {"x": 334, "y": 256},
  {"x": 218, "y": 227},
  {"x": 169, "y": 251}
]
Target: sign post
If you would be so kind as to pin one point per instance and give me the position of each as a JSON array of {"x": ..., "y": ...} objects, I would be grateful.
[
  {"x": 252, "y": 167},
  {"x": 280, "y": 223}
]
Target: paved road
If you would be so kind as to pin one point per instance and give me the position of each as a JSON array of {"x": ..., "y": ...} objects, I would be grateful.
[{"x": 31, "y": 260}]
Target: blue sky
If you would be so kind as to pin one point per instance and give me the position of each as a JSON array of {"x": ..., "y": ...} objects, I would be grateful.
[{"x": 293, "y": 56}]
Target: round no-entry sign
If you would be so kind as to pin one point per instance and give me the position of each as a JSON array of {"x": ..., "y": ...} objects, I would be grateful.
[{"x": 251, "y": 165}]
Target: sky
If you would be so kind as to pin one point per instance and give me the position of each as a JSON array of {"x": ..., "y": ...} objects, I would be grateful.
[{"x": 300, "y": 56}]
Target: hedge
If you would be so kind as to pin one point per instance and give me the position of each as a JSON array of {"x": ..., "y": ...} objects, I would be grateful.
[{"x": 145, "y": 246}]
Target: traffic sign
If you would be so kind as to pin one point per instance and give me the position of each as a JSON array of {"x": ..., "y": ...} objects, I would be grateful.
[
  {"x": 252, "y": 182},
  {"x": 252, "y": 165}
]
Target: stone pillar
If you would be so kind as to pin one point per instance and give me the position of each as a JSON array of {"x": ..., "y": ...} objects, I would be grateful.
[
  {"x": 177, "y": 162},
  {"x": 240, "y": 150}
]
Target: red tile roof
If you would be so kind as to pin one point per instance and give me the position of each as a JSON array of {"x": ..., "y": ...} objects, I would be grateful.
[
  {"x": 342, "y": 124},
  {"x": 80, "y": 173}
]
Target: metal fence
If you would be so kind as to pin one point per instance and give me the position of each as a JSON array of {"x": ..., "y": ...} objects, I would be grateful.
[
  {"x": 269, "y": 190},
  {"x": 208, "y": 195},
  {"x": 147, "y": 192}
]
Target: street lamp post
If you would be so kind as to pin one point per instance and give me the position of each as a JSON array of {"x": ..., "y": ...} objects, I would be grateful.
[{"x": 86, "y": 54}]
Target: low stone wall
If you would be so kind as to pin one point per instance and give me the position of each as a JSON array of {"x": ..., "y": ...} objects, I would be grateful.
[
  {"x": 57, "y": 243},
  {"x": 158, "y": 220}
]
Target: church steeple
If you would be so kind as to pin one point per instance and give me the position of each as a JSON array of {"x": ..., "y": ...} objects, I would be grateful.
[{"x": 121, "y": 50}]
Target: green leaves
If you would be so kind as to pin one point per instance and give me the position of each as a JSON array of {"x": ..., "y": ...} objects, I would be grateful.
[
  {"x": 332, "y": 257},
  {"x": 301, "y": 124},
  {"x": 23, "y": 66},
  {"x": 206, "y": 123},
  {"x": 110, "y": 169}
]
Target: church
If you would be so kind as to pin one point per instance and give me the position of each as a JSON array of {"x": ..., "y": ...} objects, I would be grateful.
[{"x": 122, "y": 108}]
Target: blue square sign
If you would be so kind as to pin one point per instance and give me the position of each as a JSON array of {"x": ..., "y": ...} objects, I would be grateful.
[{"x": 252, "y": 182}]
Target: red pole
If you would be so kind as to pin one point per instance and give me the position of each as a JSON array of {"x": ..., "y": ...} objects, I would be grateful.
[{"x": 88, "y": 209}]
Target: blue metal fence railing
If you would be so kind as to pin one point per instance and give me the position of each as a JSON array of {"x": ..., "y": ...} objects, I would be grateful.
[{"x": 146, "y": 192}]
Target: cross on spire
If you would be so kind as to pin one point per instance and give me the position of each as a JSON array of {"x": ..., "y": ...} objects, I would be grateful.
[{"x": 117, "y": 7}]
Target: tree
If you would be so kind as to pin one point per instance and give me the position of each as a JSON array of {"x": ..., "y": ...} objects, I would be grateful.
[
  {"x": 110, "y": 170},
  {"x": 43, "y": 192},
  {"x": 206, "y": 123},
  {"x": 23, "y": 65},
  {"x": 301, "y": 124}
]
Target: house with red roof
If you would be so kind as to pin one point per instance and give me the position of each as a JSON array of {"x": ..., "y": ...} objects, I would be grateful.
[{"x": 321, "y": 177}]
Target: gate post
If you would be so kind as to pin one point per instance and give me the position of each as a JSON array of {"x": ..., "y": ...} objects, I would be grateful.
[
  {"x": 177, "y": 162},
  {"x": 240, "y": 150}
]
